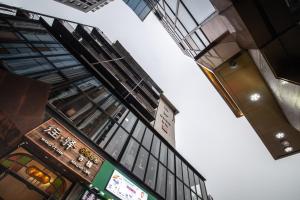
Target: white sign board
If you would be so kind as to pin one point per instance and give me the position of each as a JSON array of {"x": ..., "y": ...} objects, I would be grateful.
[{"x": 124, "y": 188}]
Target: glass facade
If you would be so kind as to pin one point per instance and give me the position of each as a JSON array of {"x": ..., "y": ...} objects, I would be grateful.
[
  {"x": 85, "y": 103},
  {"x": 183, "y": 20},
  {"x": 141, "y": 7}
]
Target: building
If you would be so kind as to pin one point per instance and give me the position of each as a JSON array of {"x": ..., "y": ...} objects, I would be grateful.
[
  {"x": 249, "y": 51},
  {"x": 141, "y": 7},
  {"x": 183, "y": 21},
  {"x": 67, "y": 130},
  {"x": 85, "y": 5}
]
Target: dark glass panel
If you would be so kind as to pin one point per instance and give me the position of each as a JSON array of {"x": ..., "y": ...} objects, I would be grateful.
[
  {"x": 147, "y": 139},
  {"x": 130, "y": 154},
  {"x": 163, "y": 153},
  {"x": 139, "y": 131},
  {"x": 129, "y": 121},
  {"x": 179, "y": 189},
  {"x": 155, "y": 146},
  {"x": 192, "y": 180},
  {"x": 178, "y": 168},
  {"x": 185, "y": 174},
  {"x": 161, "y": 181},
  {"x": 106, "y": 134},
  {"x": 151, "y": 172},
  {"x": 170, "y": 186},
  {"x": 141, "y": 162},
  {"x": 171, "y": 160},
  {"x": 187, "y": 193},
  {"x": 117, "y": 142}
]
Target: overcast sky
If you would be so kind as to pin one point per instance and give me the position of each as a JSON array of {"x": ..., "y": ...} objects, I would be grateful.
[{"x": 225, "y": 150}]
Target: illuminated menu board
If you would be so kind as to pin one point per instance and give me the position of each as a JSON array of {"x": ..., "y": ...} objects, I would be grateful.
[{"x": 124, "y": 189}]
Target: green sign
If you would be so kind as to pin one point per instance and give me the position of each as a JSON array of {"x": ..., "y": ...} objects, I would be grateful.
[{"x": 104, "y": 176}]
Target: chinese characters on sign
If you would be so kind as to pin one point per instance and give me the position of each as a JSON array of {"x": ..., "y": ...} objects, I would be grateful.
[{"x": 66, "y": 148}]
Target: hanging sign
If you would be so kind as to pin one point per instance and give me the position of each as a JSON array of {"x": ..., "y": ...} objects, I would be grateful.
[{"x": 61, "y": 145}]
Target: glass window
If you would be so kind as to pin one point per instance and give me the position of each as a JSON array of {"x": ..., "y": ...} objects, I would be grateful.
[
  {"x": 181, "y": 30},
  {"x": 63, "y": 61},
  {"x": 93, "y": 123},
  {"x": 194, "y": 5},
  {"x": 28, "y": 66},
  {"x": 178, "y": 168},
  {"x": 203, "y": 188},
  {"x": 192, "y": 180},
  {"x": 179, "y": 189},
  {"x": 197, "y": 41},
  {"x": 116, "y": 144},
  {"x": 155, "y": 146},
  {"x": 161, "y": 181},
  {"x": 10, "y": 50},
  {"x": 121, "y": 115},
  {"x": 75, "y": 72},
  {"x": 171, "y": 160},
  {"x": 194, "y": 196},
  {"x": 170, "y": 186},
  {"x": 77, "y": 109},
  {"x": 170, "y": 14},
  {"x": 163, "y": 153},
  {"x": 129, "y": 121},
  {"x": 202, "y": 37},
  {"x": 106, "y": 134},
  {"x": 141, "y": 6},
  {"x": 130, "y": 154},
  {"x": 144, "y": 13},
  {"x": 139, "y": 131},
  {"x": 185, "y": 174},
  {"x": 197, "y": 185},
  {"x": 172, "y": 4},
  {"x": 187, "y": 193},
  {"x": 147, "y": 139},
  {"x": 151, "y": 172},
  {"x": 141, "y": 162},
  {"x": 186, "y": 18}
]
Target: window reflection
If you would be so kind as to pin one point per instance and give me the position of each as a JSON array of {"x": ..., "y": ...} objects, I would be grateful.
[
  {"x": 130, "y": 154},
  {"x": 151, "y": 172},
  {"x": 116, "y": 144},
  {"x": 140, "y": 165}
]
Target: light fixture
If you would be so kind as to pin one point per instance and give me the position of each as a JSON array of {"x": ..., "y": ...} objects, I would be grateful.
[
  {"x": 288, "y": 149},
  {"x": 280, "y": 135},
  {"x": 283, "y": 82},
  {"x": 285, "y": 143},
  {"x": 233, "y": 64},
  {"x": 255, "y": 97}
]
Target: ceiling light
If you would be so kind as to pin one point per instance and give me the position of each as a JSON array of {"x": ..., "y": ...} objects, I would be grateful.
[
  {"x": 280, "y": 135},
  {"x": 283, "y": 82},
  {"x": 288, "y": 149},
  {"x": 255, "y": 97},
  {"x": 285, "y": 143}
]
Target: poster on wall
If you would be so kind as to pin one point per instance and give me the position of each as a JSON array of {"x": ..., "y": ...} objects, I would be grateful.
[{"x": 124, "y": 189}]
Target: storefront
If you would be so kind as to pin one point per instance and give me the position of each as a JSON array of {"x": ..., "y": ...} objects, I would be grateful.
[
  {"x": 111, "y": 183},
  {"x": 47, "y": 166}
]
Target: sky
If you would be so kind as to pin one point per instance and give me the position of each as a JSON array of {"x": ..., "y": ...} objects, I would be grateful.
[{"x": 224, "y": 149}]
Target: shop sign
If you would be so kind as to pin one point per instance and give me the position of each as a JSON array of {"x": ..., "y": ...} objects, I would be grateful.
[
  {"x": 124, "y": 189},
  {"x": 61, "y": 145}
]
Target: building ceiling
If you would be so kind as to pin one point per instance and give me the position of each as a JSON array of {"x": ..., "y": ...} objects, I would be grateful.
[{"x": 265, "y": 115}]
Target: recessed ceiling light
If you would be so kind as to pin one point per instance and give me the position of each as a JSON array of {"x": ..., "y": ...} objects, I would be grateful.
[
  {"x": 255, "y": 97},
  {"x": 126, "y": 119},
  {"x": 283, "y": 82},
  {"x": 288, "y": 149},
  {"x": 280, "y": 135},
  {"x": 285, "y": 143}
]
